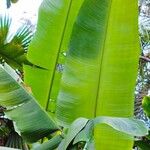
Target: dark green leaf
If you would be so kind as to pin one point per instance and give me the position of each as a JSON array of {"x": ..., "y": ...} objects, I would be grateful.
[
  {"x": 146, "y": 105},
  {"x": 30, "y": 119},
  {"x": 143, "y": 145}
]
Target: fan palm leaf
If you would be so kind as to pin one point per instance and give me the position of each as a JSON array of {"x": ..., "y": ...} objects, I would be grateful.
[{"x": 13, "y": 48}]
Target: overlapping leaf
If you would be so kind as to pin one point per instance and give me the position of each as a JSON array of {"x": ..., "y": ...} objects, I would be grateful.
[
  {"x": 30, "y": 119},
  {"x": 46, "y": 50},
  {"x": 101, "y": 68}
]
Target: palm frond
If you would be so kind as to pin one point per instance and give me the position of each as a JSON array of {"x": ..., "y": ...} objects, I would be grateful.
[
  {"x": 5, "y": 23},
  {"x": 15, "y": 51},
  {"x": 13, "y": 48}
]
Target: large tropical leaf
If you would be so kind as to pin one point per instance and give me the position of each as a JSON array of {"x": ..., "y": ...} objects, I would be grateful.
[
  {"x": 56, "y": 18},
  {"x": 81, "y": 130},
  {"x": 101, "y": 68},
  {"x": 21, "y": 107},
  {"x": 13, "y": 48},
  {"x": 129, "y": 126}
]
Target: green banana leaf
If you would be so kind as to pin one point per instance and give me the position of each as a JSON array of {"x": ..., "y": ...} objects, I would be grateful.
[
  {"x": 32, "y": 122},
  {"x": 50, "y": 41},
  {"x": 101, "y": 68},
  {"x": 13, "y": 48},
  {"x": 81, "y": 130},
  {"x": 77, "y": 133}
]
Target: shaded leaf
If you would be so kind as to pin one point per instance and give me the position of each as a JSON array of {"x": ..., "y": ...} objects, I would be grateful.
[
  {"x": 86, "y": 134},
  {"x": 143, "y": 145},
  {"x": 16, "y": 141},
  {"x": 73, "y": 130},
  {"x": 51, "y": 144},
  {"x": 146, "y": 105},
  {"x": 30, "y": 119}
]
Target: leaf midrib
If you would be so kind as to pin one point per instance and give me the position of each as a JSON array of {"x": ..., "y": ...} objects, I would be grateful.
[
  {"x": 101, "y": 61},
  {"x": 59, "y": 49}
]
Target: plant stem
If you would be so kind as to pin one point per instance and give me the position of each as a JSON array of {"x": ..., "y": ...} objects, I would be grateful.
[{"x": 51, "y": 144}]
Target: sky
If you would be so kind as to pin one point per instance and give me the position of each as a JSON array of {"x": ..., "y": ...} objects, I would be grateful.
[{"x": 21, "y": 11}]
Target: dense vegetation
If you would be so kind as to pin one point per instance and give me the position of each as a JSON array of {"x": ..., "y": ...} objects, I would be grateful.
[{"x": 81, "y": 67}]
